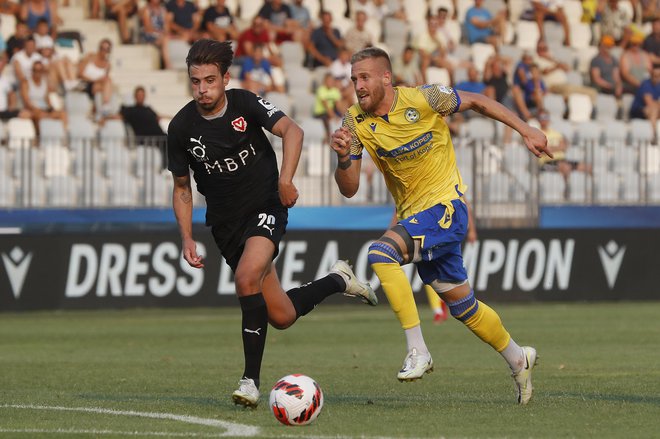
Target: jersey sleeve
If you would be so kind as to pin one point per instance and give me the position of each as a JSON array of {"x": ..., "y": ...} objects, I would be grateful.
[
  {"x": 266, "y": 113},
  {"x": 349, "y": 123},
  {"x": 177, "y": 159},
  {"x": 444, "y": 100}
]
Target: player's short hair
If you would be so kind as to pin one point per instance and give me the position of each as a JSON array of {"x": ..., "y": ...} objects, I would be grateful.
[
  {"x": 207, "y": 51},
  {"x": 372, "y": 53}
]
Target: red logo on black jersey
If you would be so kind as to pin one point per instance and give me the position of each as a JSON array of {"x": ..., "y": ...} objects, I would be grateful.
[{"x": 239, "y": 124}]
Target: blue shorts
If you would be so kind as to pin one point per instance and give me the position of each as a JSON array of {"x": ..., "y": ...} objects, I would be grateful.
[{"x": 441, "y": 234}]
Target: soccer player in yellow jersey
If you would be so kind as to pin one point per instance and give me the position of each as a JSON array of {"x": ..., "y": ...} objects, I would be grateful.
[{"x": 404, "y": 132}]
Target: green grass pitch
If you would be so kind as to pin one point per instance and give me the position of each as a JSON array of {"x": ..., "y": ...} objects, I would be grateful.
[{"x": 170, "y": 373}]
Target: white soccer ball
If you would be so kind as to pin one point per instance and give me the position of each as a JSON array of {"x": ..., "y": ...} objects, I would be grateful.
[{"x": 296, "y": 400}]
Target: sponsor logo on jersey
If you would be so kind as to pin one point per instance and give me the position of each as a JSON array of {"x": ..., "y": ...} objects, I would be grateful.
[
  {"x": 198, "y": 149},
  {"x": 412, "y": 115},
  {"x": 359, "y": 118},
  {"x": 373, "y": 125},
  {"x": 239, "y": 124},
  {"x": 408, "y": 147},
  {"x": 268, "y": 106}
]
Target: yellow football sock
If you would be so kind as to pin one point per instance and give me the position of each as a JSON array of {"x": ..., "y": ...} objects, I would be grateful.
[
  {"x": 434, "y": 299},
  {"x": 486, "y": 324},
  {"x": 399, "y": 293}
]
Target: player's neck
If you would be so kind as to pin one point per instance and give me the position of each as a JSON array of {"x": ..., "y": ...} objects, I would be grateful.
[{"x": 386, "y": 104}]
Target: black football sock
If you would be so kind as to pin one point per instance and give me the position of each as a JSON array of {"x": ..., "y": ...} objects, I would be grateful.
[
  {"x": 311, "y": 294},
  {"x": 254, "y": 328}
]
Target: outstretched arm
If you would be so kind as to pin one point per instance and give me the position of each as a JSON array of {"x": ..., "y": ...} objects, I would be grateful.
[{"x": 534, "y": 138}]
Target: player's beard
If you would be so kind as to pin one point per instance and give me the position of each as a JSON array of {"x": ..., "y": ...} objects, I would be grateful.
[{"x": 376, "y": 96}]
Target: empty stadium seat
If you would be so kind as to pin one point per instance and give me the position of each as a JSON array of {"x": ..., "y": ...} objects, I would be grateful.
[
  {"x": 552, "y": 187},
  {"x": 606, "y": 107},
  {"x": 579, "y": 107}
]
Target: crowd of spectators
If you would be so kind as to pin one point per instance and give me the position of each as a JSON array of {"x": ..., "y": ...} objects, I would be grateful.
[{"x": 628, "y": 46}]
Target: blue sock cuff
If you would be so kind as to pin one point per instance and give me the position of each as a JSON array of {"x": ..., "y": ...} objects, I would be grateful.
[
  {"x": 459, "y": 307},
  {"x": 381, "y": 247}
]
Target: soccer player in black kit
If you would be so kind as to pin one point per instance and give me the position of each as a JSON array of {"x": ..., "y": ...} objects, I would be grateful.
[{"x": 219, "y": 136}]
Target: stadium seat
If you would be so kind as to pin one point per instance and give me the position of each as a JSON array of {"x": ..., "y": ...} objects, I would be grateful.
[
  {"x": 641, "y": 131},
  {"x": 62, "y": 191},
  {"x": 527, "y": 35},
  {"x": 77, "y": 103},
  {"x": 579, "y": 107},
  {"x": 498, "y": 188},
  {"x": 281, "y": 101},
  {"x": 631, "y": 186},
  {"x": 616, "y": 133},
  {"x": 438, "y": 75},
  {"x": 625, "y": 159},
  {"x": 303, "y": 104},
  {"x": 57, "y": 161},
  {"x": 178, "y": 50},
  {"x": 21, "y": 133},
  {"x": 555, "y": 105},
  {"x": 396, "y": 34},
  {"x": 606, "y": 187},
  {"x": 299, "y": 78},
  {"x": 564, "y": 127},
  {"x": 552, "y": 187},
  {"x": 606, "y": 107},
  {"x": 293, "y": 53},
  {"x": 51, "y": 133},
  {"x": 577, "y": 187},
  {"x": 589, "y": 132},
  {"x": 653, "y": 188},
  {"x": 516, "y": 158},
  {"x": 626, "y": 102},
  {"x": 580, "y": 35},
  {"x": 480, "y": 53},
  {"x": 7, "y": 190}
]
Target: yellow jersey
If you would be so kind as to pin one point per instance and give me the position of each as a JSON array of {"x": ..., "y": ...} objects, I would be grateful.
[{"x": 411, "y": 146}]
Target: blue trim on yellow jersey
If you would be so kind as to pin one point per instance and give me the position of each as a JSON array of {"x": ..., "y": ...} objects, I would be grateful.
[{"x": 458, "y": 102}]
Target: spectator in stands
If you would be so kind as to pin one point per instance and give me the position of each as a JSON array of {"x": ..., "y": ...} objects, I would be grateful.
[
  {"x": 142, "y": 119},
  {"x": 406, "y": 68},
  {"x": 554, "y": 73},
  {"x": 473, "y": 84},
  {"x": 328, "y": 106},
  {"x": 121, "y": 11},
  {"x": 256, "y": 73},
  {"x": 496, "y": 80},
  {"x": 444, "y": 35},
  {"x": 430, "y": 48},
  {"x": 94, "y": 72},
  {"x": 373, "y": 9},
  {"x": 651, "y": 44},
  {"x": 302, "y": 16},
  {"x": 184, "y": 20},
  {"x": 61, "y": 71},
  {"x": 557, "y": 144},
  {"x": 154, "y": 28},
  {"x": 528, "y": 94},
  {"x": 614, "y": 21},
  {"x": 324, "y": 42},
  {"x": 553, "y": 10},
  {"x": 16, "y": 42},
  {"x": 358, "y": 37},
  {"x": 604, "y": 69},
  {"x": 646, "y": 104},
  {"x": 257, "y": 33},
  {"x": 23, "y": 60},
  {"x": 33, "y": 10},
  {"x": 144, "y": 122},
  {"x": 42, "y": 32},
  {"x": 650, "y": 9},
  {"x": 635, "y": 65},
  {"x": 10, "y": 7},
  {"x": 8, "y": 100},
  {"x": 35, "y": 93},
  {"x": 218, "y": 22},
  {"x": 482, "y": 27},
  {"x": 341, "y": 71},
  {"x": 280, "y": 21}
]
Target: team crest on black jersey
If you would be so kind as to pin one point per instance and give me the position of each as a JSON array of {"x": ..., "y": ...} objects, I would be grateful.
[
  {"x": 198, "y": 149},
  {"x": 239, "y": 124},
  {"x": 412, "y": 115}
]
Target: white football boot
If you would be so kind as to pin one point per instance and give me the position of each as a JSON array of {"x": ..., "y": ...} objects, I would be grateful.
[
  {"x": 523, "y": 378},
  {"x": 247, "y": 393},
  {"x": 415, "y": 366},
  {"x": 354, "y": 288}
]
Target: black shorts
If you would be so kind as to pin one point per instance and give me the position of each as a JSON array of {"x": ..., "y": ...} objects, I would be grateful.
[{"x": 230, "y": 238}]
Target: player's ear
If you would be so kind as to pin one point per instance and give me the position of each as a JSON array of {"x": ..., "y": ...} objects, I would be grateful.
[
  {"x": 225, "y": 78},
  {"x": 387, "y": 78}
]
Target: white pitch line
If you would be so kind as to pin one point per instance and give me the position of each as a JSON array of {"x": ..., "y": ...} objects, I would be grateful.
[
  {"x": 231, "y": 428},
  {"x": 101, "y": 432}
]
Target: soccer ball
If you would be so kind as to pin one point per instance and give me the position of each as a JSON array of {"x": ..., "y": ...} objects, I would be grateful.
[{"x": 296, "y": 400}]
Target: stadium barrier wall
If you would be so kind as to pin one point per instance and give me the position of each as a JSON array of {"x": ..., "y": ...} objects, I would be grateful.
[{"x": 145, "y": 269}]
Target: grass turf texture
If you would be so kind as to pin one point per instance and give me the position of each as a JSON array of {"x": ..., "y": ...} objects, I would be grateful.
[{"x": 598, "y": 375}]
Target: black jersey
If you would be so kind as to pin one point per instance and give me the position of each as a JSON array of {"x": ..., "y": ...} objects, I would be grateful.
[{"x": 233, "y": 162}]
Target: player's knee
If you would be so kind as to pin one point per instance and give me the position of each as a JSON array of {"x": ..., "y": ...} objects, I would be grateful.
[
  {"x": 246, "y": 282},
  {"x": 282, "y": 320},
  {"x": 380, "y": 252},
  {"x": 464, "y": 308}
]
